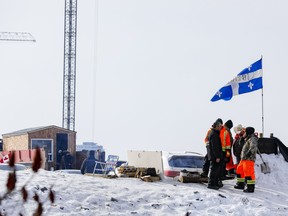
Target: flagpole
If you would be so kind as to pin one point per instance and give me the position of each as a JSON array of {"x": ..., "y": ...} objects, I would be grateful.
[
  {"x": 262, "y": 103},
  {"x": 262, "y": 114}
]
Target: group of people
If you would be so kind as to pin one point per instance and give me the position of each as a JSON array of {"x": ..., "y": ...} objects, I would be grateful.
[
  {"x": 218, "y": 161},
  {"x": 65, "y": 160}
]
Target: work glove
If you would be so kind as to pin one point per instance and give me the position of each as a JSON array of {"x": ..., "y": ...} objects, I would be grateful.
[
  {"x": 227, "y": 156},
  {"x": 228, "y": 153}
]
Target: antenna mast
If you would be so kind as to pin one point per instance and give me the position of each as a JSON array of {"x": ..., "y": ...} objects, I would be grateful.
[{"x": 69, "y": 74}]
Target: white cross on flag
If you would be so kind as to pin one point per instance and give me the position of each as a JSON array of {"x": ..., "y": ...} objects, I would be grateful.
[{"x": 248, "y": 80}]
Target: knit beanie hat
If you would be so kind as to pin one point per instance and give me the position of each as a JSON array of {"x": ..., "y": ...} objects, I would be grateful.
[
  {"x": 229, "y": 124},
  {"x": 249, "y": 130},
  {"x": 219, "y": 120},
  {"x": 215, "y": 124}
]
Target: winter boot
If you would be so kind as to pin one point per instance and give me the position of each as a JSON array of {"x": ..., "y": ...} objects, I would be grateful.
[
  {"x": 240, "y": 182},
  {"x": 215, "y": 187},
  {"x": 250, "y": 188},
  {"x": 239, "y": 185},
  {"x": 220, "y": 184},
  {"x": 250, "y": 185},
  {"x": 231, "y": 173}
]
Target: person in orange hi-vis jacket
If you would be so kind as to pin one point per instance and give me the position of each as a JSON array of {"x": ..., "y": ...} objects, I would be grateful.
[
  {"x": 226, "y": 143},
  {"x": 245, "y": 170}
]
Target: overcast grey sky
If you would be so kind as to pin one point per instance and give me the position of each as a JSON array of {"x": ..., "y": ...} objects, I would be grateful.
[{"x": 146, "y": 70}]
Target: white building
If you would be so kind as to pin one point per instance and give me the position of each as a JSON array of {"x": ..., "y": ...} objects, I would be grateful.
[{"x": 89, "y": 146}]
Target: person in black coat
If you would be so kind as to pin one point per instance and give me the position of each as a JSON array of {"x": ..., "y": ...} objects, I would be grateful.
[
  {"x": 206, "y": 165},
  {"x": 68, "y": 160},
  {"x": 89, "y": 163},
  {"x": 215, "y": 156}
]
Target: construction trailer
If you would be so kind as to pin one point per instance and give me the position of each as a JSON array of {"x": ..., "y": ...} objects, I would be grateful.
[{"x": 53, "y": 139}]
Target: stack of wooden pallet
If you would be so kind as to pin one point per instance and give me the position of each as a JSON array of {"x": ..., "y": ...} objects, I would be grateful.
[
  {"x": 145, "y": 174},
  {"x": 126, "y": 171}
]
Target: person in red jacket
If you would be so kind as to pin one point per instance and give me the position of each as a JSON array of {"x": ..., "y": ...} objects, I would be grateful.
[{"x": 238, "y": 143}]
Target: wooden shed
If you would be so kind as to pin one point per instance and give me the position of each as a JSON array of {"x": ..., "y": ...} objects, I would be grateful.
[{"x": 55, "y": 140}]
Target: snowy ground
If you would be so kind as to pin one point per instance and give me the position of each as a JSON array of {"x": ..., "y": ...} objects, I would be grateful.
[{"x": 88, "y": 195}]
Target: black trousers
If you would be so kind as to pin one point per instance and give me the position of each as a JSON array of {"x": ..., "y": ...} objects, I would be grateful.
[
  {"x": 223, "y": 166},
  {"x": 215, "y": 172},
  {"x": 206, "y": 164}
]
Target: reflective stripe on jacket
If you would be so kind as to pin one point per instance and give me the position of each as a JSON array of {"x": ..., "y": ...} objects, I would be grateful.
[
  {"x": 206, "y": 140},
  {"x": 226, "y": 139}
]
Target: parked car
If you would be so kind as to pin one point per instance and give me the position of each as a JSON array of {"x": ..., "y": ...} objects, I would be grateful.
[
  {"x": 173, "y": 162},
  {"x": 6, "y": 167}
]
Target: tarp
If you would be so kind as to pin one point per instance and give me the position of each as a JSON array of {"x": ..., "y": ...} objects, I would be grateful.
[
  {"x": 282, "y": 148},
  {"x": 271, "y": 146},
  {"x": 267, "y": 145}
]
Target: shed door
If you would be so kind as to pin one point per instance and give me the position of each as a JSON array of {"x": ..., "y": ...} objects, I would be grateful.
[{"x": 61, "y": 145}]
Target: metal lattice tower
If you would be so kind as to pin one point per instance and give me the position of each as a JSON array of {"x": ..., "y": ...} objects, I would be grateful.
[{"x": 69, "y": 74}]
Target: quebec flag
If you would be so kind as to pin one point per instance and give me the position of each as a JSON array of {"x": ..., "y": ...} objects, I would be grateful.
[{"x": 248, "y": 80}]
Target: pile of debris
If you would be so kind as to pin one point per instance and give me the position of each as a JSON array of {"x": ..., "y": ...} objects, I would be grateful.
[
  {"x": 191, "y": 177},
  {"x": 126, "y": 171},
  {"x": 145, "y": 174}
]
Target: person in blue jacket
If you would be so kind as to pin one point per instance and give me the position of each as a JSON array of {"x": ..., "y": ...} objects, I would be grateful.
[{"x": 89, "y": 163}]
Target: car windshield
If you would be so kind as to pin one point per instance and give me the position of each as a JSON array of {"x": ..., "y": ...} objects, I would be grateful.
[{"x": 186, "y": 161}]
